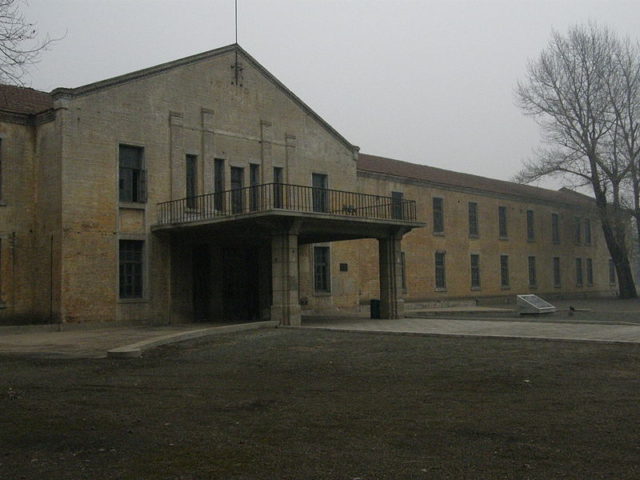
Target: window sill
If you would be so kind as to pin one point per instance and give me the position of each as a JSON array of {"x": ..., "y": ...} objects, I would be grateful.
[
  {"x": 440, "y": 289},
  {"x": 557, "y": 286},
  {"x": 503, "y": 239},
  {"x": 438, "y": 234},
  {"x": 133, "y": 205},
  {"x": 322, "y": 294},
  {"x": 531, "y": 240},
  {"x": 476, "y": 289},
  {"x": 505, "y": 287},
  {"x": 533, "y": 287},
  {"x": 475, "y": 237},
  {"x": 133, "y": 300},
  {"x": 3, "y": 305},
  {"x": 3, "y": 203}
]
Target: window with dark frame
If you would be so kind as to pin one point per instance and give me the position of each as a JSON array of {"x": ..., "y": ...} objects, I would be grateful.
[
  {"x": 577, "y": 236},
  {"x": 578, "y": 272},
  {"x": 502, "y": 222},
  {"x": 587, "y": 231},
  {"x": 504, "y": 271},
  {"x": 473, "y": 219},
  {"x": 438, "y": 215},
  {"x": 555, "y": 228},
  {"x": 612, "y": 272},
  {"x": 218, "y": 184},
  {"x": 131, "y": 268},
  {"x": 531, "y": 232},
  {"x": 277, "y": 187},
  {"x": 396, "y": 205},
  {"x": 589, "y": 266},
  {"x": 403, "y": 271},
  {"x": 532, "y": 271},
  {"x": 321, "y": 269},
  {"x": 237, "y": 189},
  {"x": 191, "y": 180},
  {"x": 475, "y": 270},
  {"x": 320, "y": 195},
  {"x": 440, "y": 273},
  {"x": 132, "y": 176},
  {"x": 254, "y": 181},
  {"x": 556, "y": 272}
]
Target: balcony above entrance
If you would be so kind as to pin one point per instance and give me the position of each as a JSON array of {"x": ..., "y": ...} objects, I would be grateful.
[{"x": 339, "y": 214}]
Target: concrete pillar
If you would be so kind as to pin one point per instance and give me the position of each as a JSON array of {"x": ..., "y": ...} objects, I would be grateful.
[
  {"x": 391, "y": 305},
  {"x": 285, "y": 306}
]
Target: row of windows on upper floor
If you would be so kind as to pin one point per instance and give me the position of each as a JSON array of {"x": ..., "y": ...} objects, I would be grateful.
[
  {"x": 582, "y": 226},
  {"x": 133, "y": 183}
]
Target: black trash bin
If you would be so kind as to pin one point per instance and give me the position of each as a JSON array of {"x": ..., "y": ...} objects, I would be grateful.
[{"x": 375, "y": 308}]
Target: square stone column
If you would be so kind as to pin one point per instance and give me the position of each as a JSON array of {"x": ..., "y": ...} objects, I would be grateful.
[
  {"x": 389, "y": 256},
  {"x": 285, "y": 307}
]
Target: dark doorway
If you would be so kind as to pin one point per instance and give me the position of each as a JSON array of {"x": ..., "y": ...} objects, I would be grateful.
[
  {"x": 241, "y": 284},
  {"x": 201, "y": 265}
]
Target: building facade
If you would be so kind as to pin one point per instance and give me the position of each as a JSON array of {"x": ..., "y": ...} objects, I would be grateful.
[{"x": 203, "y": 189}]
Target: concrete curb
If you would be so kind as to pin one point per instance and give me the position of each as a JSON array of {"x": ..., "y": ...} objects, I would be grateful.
[
  {"x": 469, "y": 335},
  {"x": 135, "y": 349}
]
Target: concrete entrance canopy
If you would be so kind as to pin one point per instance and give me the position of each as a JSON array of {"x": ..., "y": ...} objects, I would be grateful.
[{"x": 286, "y": 216}]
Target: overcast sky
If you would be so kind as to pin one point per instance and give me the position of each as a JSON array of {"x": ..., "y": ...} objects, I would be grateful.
[{"x": 428, "y": 82}]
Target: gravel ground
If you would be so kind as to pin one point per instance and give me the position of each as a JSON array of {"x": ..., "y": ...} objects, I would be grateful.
[{"x": 304, "y": 404}]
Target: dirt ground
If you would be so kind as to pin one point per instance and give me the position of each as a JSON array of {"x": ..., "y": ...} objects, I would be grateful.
[{"x": 304, "y": 404}]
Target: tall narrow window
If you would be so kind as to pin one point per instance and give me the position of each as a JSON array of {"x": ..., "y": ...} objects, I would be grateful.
[
  {"x": 475, "y": 271},
  {"x": 191, "y": 180},
  {"x": 589, "y": 272},
  {"x": 556, "y": 271},
  {"x": 577, "y": 230},
  {"x": 555, "y": 228},
  {"x": 441, "y": 278},
  {"x": 1, "y": 171},
  {"x": 587, "y": 231},
  {"x": 237, "y": 191},
  {"x": 578, "y": 272},
  {"x": 504, "y": 271},
  {"x": 532, "y": 271},
  {"x": 612, "y": 272},
  {"x": 320, "y": 194},
  {"x": 502, "y": 222},
  {"x": 254, "y": 180},
  {"x": 277, "y": 187},
  {"x": 403, "y": 271},
  {"x": 321, "y": 270},
  {"x": 531, "y": 232},
  {"x": 473, "y": 219},
  {"x": 396, "y": 205},
  {"x": 131, "y": 263},
  {"x": 438, "y": 215},
  {"x": 218, "y": 184},
  {"x": 132, "y": 182}
]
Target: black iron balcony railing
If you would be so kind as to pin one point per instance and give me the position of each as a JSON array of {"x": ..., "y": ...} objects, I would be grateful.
[{"x": 281, "y": 196}]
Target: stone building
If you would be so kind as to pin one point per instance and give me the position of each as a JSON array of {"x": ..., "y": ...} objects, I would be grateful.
[{"x": 204, "y": 189}]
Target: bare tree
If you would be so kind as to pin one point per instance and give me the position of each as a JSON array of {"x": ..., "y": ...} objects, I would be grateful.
[
  {"x": 19, "y": 44},
  {"x": 569, "y": 91}
]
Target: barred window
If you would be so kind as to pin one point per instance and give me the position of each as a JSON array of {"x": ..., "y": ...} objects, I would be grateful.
[
  {"x": 531, "y": 233},
  {"x": 504, "y": 271},
  {"x": 473, "y": 219},
  {"x": 321, "y": 270},
  {"x": 532, "y": 271},
  {"x": 131, "y": 268},
  {"x": 578, "y": 272},
  {"x": 438, "y": 215},
  {"x": 132, "y": 182},
  {"x": 441, "y": 279},
  {"x": 502, "y": 222},
  {"x": 475, "y": 271}
]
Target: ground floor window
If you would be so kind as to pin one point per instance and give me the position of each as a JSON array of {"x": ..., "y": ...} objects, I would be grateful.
[
  {"x": 556, "y": 271},
  {"x": 441, "y": 278},
  {"x": 578, "y": 272},
  {"x": 131, "y": 263},
  {"x": 532, "y": 272},
  {"x": 612, "y": 272},
  {"x": 475, "y": 271},
  {"x": 589, "y": 272},
  {"x": 321, "y": 270},
  {"x": 504, "y": 271}
]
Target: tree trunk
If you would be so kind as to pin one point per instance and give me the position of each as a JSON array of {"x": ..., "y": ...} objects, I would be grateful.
[{"x": 620, "y": 257}]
